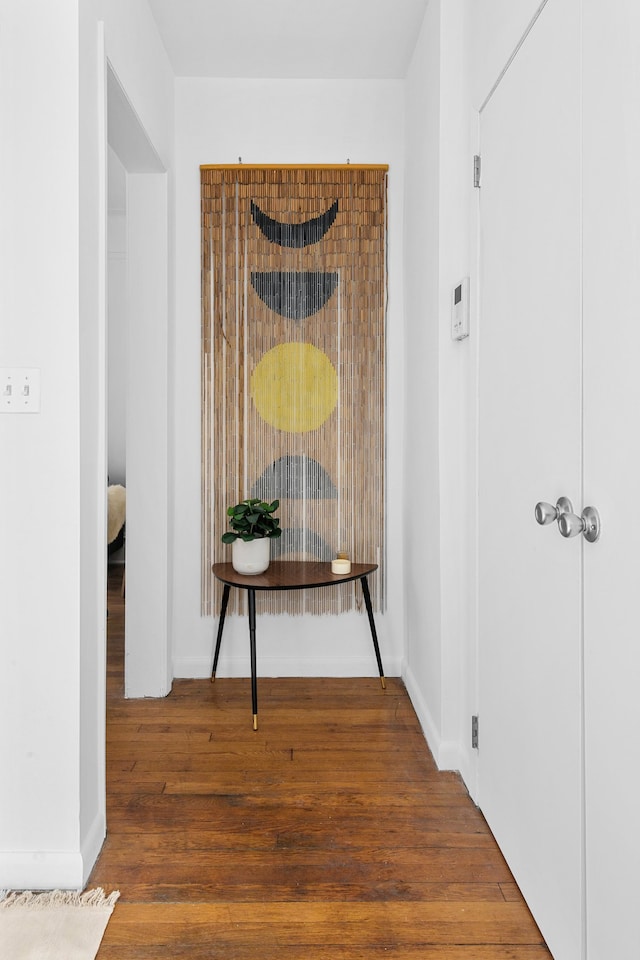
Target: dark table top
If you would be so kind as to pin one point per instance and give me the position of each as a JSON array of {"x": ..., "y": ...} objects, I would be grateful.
[{"x": 291, "y": 575}]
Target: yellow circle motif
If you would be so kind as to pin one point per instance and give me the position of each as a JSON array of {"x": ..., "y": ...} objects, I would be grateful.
[{"x": 295, "y": 387}]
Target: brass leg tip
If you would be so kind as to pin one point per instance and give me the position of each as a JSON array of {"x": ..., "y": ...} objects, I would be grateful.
[
  {"x": 213, "y": 678},
  {"x": 255, "y": 721},
  {"x": 383, "y": 682}
]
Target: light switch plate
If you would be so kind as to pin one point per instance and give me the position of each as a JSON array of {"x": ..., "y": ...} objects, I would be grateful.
[{"x": 19, "y": 390}]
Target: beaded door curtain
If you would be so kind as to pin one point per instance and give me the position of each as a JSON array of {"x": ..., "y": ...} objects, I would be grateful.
[{"x": 293, "y": 367}]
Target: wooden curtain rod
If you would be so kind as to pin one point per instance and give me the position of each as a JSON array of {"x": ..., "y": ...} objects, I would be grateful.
[{"x": 294, "y": 166}]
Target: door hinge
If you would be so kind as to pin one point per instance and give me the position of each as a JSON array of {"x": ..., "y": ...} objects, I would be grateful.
[
  {"x": 476, "y": 170},
  {"x": 474, "y": 732}
]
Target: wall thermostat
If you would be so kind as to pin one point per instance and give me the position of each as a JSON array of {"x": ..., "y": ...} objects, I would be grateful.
[{"x": 460, "y": 310}]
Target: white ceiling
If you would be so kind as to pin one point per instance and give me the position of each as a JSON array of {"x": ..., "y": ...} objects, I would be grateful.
[{"x": 320, "y": 39}]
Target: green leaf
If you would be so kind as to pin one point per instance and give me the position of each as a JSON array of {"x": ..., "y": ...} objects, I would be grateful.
[{"x": 251, "y": 520}]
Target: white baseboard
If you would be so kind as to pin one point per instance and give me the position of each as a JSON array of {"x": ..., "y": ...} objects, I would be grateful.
[
  {"x": 446, "y": 753},
  {"x": 92, "y": 845},
  {"x": 41, "y": 870},
  {"x": 468, "y": 760},
  {"x": 197, "y": 668},
  {"x": 52, "y": 869}
]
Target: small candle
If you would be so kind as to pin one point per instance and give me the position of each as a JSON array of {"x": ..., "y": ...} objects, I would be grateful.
[{"x": 340, "y": 566}]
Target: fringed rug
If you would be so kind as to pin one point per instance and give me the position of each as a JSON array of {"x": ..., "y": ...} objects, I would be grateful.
[{"x": 54, "y": 926}]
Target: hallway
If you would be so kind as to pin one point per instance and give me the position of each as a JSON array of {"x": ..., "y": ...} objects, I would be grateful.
[{"x": 328, "y": 833}]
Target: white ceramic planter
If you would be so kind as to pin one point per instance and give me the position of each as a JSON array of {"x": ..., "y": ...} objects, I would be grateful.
[{"x": 252, "y": 557}]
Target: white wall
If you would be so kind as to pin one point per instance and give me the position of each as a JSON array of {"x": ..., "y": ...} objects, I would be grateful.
[
  {"x": 52, "y": 292},
  {"x": 457, "y": 396},
  {"x": 143, "y": 286},
  {"x": 52, "y": 640},
  {"x": 139, "y": 60},
  {"x": 496, "y": 29},
  {"x": 117, "y": 325},
  {"x": 92, "y": 450},
  {"x": 45, "y": 494},
  {"x": 147, "y": 643},
  {"x": 421, "y": 425},
  {"x": 40, "y": 484},
  {"x": 462, "y": 49},
  {"x": 279, "y": 122},
  {"x": 439, "y": 377}
]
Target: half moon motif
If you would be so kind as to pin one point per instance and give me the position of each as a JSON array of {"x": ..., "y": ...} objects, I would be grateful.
[
  {"x": 300, "y": 540},
  {"x": 295, "y": 478},
  {"x": 294, "y": 234},
  {"x": 294, "y": 294}
]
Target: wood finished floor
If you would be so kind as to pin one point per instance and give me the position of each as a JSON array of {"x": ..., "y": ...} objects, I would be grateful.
[{"x": 328, "y": 834}]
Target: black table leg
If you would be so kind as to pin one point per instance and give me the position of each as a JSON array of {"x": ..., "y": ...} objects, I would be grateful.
[
  {"x": 252, "y": 644},
  {"x": 374, "y": 635},
  {"x": 223, "y": 611}
]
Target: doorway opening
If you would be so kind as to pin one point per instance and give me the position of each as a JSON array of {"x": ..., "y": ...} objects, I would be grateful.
[{"x": 137, "y": 376}]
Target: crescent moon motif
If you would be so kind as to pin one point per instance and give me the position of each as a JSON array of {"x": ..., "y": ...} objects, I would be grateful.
[{"x": 294, "y": 234}]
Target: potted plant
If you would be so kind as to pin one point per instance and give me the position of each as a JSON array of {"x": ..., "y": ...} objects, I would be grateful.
[{"x": 252, "y": 527}]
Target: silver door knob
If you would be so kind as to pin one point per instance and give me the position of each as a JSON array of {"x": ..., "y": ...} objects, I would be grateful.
[
  {"x": 588, "y": 524},
  {"x": 546, "y": 513}
]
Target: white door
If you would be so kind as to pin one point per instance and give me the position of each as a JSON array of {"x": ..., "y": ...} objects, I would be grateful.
[
  {"x": 530, "y": 786},
  {"x": 612, "y": 473}
]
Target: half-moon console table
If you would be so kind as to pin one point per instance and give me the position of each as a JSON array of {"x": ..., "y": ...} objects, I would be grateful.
[{"x": 287, "y": 575}]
